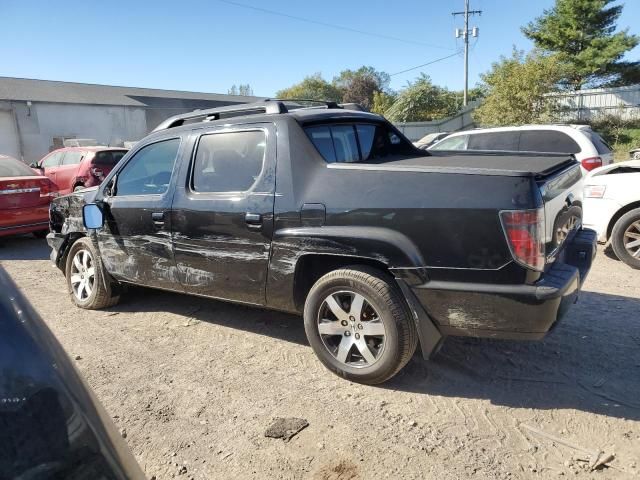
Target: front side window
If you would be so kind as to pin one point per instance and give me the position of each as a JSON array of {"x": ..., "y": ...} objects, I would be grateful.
[
  {"x": 458, "y": 142},
  {"x": 72, "y": 158},
  {"x": 149, "y": 171},
  {"x": 228, "y": 162},
  {"x": 494, "y": 141},
  {"x": 52, "y": 160},
  {"x": 361, "y": 142}
]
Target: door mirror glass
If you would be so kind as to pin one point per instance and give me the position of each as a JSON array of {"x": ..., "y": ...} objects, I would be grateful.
[
  {"x": 92, "y": 216},
  {"x": 35, "y": 165}
]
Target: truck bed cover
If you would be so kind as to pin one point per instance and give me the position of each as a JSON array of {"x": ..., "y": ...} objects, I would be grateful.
[{"x": 487, "y": 163}]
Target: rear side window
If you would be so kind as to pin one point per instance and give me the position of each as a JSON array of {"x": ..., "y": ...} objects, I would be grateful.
[
  {"x": 499, "y": 141},
  {"x": 10, "y": 167},
  {"x": 228, "y": 162},
  {"x": 72, "y": 158},
  {"x": 601, "y": 146},
  {"x": 108, "y": 158},
  {"x": 149, "y": 171},
  {"x": 351, "y": 143},
  {"x": 547, "y": 141}
]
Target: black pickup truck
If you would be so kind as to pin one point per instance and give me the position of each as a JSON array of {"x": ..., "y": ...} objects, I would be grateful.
[{"x": 333, "y": 213}]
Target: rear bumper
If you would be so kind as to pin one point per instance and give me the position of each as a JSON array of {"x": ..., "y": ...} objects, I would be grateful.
[
  {"x": 24, "y": 220},
  {"x": 519, "y": 312}
]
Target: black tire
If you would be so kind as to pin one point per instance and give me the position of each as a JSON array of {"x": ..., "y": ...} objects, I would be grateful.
[
  {"x": 102, "y": 292},
  {"x": 41, "y": 233},
  {"x": 383, "y": 295},
  {"x": 623, "y": 224}
]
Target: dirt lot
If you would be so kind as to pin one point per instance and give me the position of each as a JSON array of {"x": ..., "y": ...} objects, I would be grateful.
[{"x": 195, "y": 383}]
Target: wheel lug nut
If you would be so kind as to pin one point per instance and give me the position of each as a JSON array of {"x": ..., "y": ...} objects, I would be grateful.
[
  {"x": 357, "y": 336},
  {"x": 352, "y": 318},
  {"x": 347, "y": 333},
  {"x": 344, "y": 323},
  {"x": 360, "y": 327}
]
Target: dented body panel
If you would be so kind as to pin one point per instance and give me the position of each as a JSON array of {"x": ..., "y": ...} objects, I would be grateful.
[{"x": 434, "y": 227}]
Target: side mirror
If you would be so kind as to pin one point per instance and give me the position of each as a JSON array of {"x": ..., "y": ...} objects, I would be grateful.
[
  {"x": 35, "y": 165},
  {"x": 92, "y": 216}
]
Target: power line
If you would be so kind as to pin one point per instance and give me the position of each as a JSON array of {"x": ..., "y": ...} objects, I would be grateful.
[
  {"x": 425, "y": 64},
  {"x": 331, "y": 25}
]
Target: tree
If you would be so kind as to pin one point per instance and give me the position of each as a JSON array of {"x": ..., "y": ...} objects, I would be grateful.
[
  {"x": 582, "y": 33},
  {"x": 422, "y": 101},
  {"x": 313, "y": 87},
  {"x": 244, "y": 90},
  {"x": 382, "y": 102},
  {"x": 359, "y": 86},
  {"x": 517, "y": 89}
]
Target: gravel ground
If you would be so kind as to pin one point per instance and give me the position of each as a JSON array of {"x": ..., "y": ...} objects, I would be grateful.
[{"x": 195, "y": 383}]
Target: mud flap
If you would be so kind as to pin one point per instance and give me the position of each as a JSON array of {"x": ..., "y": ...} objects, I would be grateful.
[{"x": 430, "y": 337}]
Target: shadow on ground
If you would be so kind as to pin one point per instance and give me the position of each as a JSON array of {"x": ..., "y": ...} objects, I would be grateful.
[
  {"x": 23, "y": 247},
  {"x": 590, "y": 362}
]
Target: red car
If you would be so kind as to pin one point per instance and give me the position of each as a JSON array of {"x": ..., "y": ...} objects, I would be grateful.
[
  {"x": 24, "y": 199},
  {"x": 75, "y": 168}
]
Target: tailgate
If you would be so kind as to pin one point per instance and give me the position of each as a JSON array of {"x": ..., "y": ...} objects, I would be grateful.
[{"x": 562, "y": 197}]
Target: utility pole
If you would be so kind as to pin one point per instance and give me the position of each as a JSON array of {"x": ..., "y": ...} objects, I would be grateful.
[{"x": 465, "y": 36}]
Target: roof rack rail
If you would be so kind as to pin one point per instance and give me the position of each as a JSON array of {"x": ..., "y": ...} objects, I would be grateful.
[{"x": 269, "y": 106}]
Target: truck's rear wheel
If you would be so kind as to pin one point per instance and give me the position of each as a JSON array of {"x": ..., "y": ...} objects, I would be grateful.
[
  {"x": 359, "y": 325},
  {"x": 87, "y": 282},
  {"x": 625, "y": 238}
]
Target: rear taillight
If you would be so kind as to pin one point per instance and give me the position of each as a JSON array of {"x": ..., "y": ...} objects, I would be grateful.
[
  {"x": 97, "y": 172},
  {"x": 47, "y": 188},
  {"x": 591, "y": 163},
  {"x": 525, "y": 232}
]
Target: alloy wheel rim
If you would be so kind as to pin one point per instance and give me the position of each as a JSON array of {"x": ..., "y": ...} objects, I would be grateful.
[
  {"x": 631, "y": 239},
  {"x": 82, "y": 275},
  {"x": 351, "y": 329}
]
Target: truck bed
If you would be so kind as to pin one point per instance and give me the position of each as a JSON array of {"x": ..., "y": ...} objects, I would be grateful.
[{"x": 487, "y": 163}]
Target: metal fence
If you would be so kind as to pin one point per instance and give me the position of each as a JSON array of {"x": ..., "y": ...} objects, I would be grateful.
[
  {"x": 460, "y": 121},
  {"x": 592, "y": 104}
]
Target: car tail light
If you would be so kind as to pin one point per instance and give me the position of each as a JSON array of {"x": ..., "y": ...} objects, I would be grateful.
[
  {"x": 591, "y": 163},
  {"x": 47, "y": 188},
  {"x": 97, "y": 172},
  {"x": 525, "y": 233},
  {"x": 594, "y": 191}
]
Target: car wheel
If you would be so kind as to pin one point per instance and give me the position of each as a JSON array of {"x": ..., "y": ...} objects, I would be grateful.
[
  {"x": 359, "y": 325},
  {"x": 41, "y": 233},
  {"x": 625, "y": 238},
  {"x": 87, "y": 282}
]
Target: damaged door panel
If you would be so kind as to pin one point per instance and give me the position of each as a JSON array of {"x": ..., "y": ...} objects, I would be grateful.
[{"x": 222, "y": 214}]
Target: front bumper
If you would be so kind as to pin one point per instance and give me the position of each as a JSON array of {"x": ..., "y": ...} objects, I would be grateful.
[
  {"x": 57, "y": 242},
  {"x": 519, "y": 312}
]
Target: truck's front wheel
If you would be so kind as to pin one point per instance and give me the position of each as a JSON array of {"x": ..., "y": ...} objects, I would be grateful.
[
  {"x": 359, "y": 325},
  {"x": 86, "y": 280}
]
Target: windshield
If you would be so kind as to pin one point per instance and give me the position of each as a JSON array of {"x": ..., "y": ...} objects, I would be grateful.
[
  {"x": 108, "y": 157},
  {"x": 458, "y": 142}
]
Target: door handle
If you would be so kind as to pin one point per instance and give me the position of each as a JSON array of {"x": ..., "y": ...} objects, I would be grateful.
[
  {"x": 158, "y": 219},
  {"x": 253, "y": 220}
]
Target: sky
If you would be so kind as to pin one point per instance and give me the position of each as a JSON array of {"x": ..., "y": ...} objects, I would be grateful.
[{"x": 210, "y": 45}]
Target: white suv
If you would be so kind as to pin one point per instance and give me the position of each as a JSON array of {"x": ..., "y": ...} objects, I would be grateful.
[{"x": 588, "y": 146}]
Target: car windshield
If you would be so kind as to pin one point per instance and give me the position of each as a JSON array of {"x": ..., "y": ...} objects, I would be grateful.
[
  {"x": 601, "y": 146},
  {"x": 10, "y": 167}
]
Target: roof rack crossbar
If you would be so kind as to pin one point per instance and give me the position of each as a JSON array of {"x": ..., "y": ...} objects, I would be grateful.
[{"x": 268, "y": 106}]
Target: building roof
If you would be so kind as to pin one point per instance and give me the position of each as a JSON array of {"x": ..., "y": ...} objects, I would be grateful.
[{"x": 24, "y": 89}]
